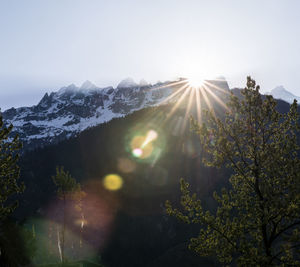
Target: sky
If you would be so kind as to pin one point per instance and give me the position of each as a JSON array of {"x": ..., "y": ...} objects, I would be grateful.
[{"x": 48, "y": 44}]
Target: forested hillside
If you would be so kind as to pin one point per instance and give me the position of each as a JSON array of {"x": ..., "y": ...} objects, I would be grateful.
[{"x": 129, "y": 226}]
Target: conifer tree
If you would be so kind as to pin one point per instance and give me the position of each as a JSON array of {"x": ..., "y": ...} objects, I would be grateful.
[
  {"x": 9, "y": 170},
  {"x": 67, "y": 189},
  {"x": 9, "y": 174},
  {"x": 257, "y": 220}
]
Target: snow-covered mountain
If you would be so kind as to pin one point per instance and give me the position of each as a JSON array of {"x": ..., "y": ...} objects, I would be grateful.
[
  {"x": 280, "y": 92},
  {"x": 72, "y": 109},
  {"x": 67, "y": 112}
]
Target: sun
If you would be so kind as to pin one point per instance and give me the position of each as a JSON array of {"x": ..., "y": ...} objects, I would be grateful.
[
  {"x": 195, "y": 81},
  {"x": 192, "y": 92}
]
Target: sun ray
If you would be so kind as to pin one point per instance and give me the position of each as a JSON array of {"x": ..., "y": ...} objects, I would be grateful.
[
  {"x": 203, "y": 92},
  {"x": 170, "y": 84},
  {"x": 217, "y": 99},
  {"x": 174, "y": 94},
  {"x": 179, "y": 101},
  {"x": 194, "y": 98},
  {"x": 158, "y": 118},
  {"x": 198, "y": 105},
  {"x": 188, "y": 108},
  {"x": 208, "y": 83}
]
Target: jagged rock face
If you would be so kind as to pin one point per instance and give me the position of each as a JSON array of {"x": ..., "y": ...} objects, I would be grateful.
[
  {"x": 72, "y": 109},
  {"x": 63, "y": 114}
]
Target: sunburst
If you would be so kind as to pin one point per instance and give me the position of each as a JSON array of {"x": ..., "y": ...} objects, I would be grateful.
[
  {"x": 189, "y": 96},
  {"x": 197, "y": 93},
  {"x": 195, "y": 81}
]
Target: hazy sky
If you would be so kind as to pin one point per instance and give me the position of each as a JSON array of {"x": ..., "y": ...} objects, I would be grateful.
[{"x": 47, "y": 44}]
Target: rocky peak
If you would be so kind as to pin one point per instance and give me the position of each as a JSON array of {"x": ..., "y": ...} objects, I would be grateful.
[
  {"x": 87, "y": 85},
  {"x": 280, "y": 92},
  {"x": 68, "y": 89},
  {"x": 143, "y": 83},
  {"x": 45, "y": 101},
  {"x": 127, "y": 83}
]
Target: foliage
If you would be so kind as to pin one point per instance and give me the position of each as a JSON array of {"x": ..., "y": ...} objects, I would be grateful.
[
  {"x": 257, "y": 220},
  {"x": 9, "y": 170},
  {"x": 67, "y": 187},
  {"x": 16, "y": 245}
]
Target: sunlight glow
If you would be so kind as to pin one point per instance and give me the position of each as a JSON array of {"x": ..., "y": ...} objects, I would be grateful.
[
  {"x": 191, "y": 94},
  {"x": 195, "y": 81}
]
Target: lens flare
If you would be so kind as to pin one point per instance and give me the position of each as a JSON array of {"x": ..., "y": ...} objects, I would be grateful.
[
  {"x": 151, "y": 136},
  {"x": 137, "y": 152},
  {"x": 141, "y": 146},
  {"x": 126, "y": 165},
  {"x": 113, "y": 182},
  {"x": 137, "y": 142}
]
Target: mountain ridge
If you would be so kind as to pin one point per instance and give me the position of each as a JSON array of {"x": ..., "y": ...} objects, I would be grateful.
[{"x": 72, "y": 109}]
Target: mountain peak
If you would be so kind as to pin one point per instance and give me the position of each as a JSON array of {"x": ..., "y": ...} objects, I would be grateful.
[
  {"x": 87, "y": 85},
  {"x": 67, "y": 89},
  {"x": 143, "y": 83},
  {"x": 127, "y": 83},
  {"x": 279, "y": 88},
  {"x": 280, "y": 92}
]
